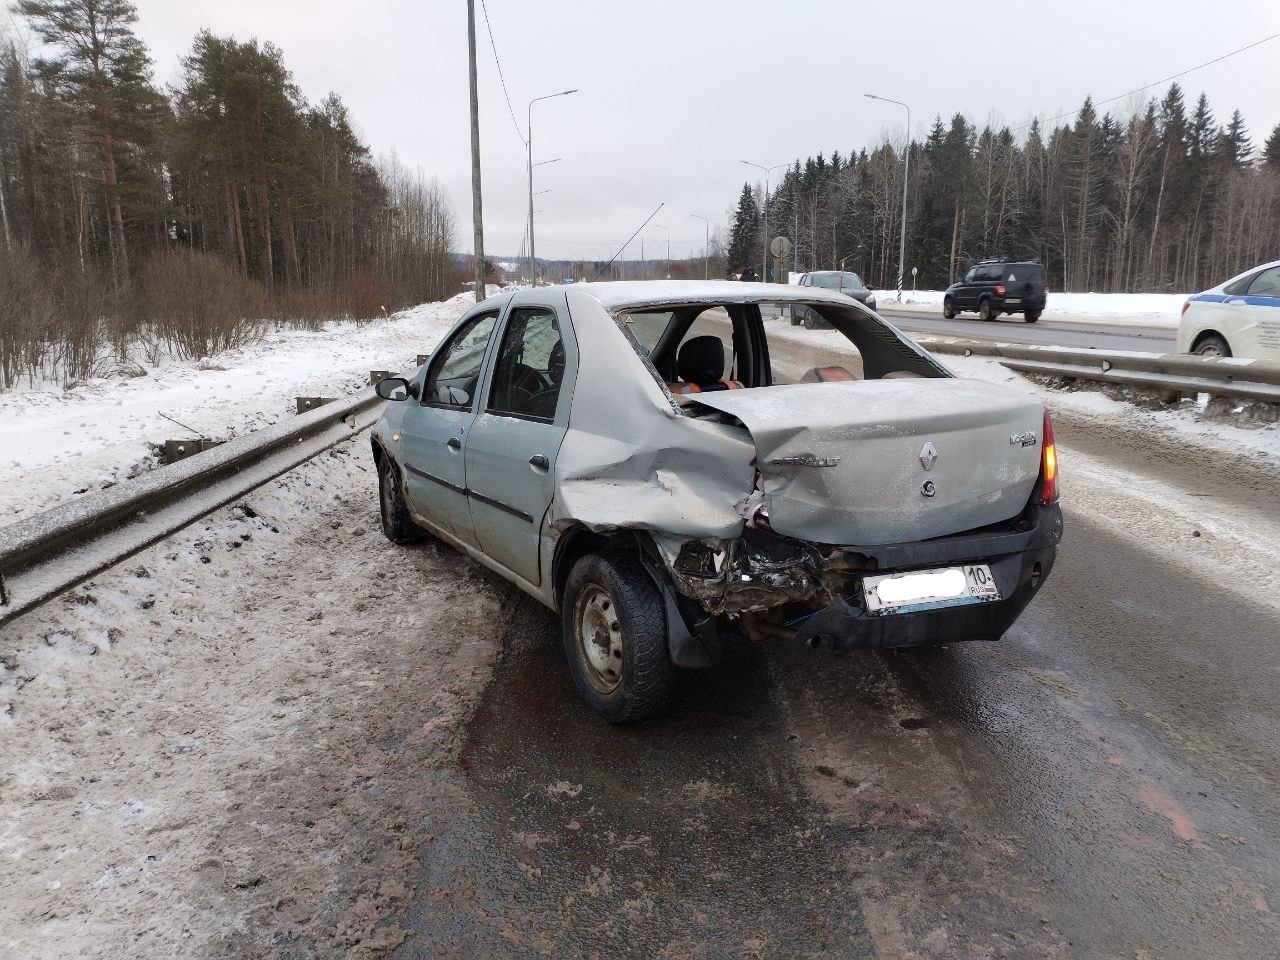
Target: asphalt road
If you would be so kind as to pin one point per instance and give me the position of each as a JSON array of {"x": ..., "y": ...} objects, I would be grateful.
[
  {"x": 1013, "y": 329},
  {"x": 1100, "y": 336},
  {"x": 1100, "y": 783}
]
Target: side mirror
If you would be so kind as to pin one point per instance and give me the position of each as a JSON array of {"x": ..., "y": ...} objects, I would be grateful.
[
  {"x": 870, "y": 286},
  {"x": 392, "y": 388}
]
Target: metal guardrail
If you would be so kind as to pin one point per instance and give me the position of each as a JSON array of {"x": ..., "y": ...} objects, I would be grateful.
[
  {"x": 1172, "y": 372},
  {"x": 44, "y": 555}
]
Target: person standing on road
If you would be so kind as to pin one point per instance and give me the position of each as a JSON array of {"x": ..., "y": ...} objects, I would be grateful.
[{"x": 750, "y": 275}]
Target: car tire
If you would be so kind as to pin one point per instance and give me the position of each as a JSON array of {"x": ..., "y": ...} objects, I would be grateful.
[
  {"x": 985, "y": 312},
  {"x": 795, "y": 317},
  {"x": 1212, "y": 345},
  {"x": 1031, "y": 316},
  {"x": 611, "y": 598},
  {"x": 948, "y": 308},
  {"x": 810, "y": 322},
  {"x": 397, "y": 524}
]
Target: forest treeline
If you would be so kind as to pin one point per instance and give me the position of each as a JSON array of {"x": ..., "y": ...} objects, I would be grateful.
[
  {"x": 140, "y": 218},
  {"x": 1164, "y": 199}
]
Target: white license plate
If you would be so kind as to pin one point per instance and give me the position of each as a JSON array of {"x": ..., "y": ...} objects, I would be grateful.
[
  {"x": 1013, "y": 300},
  {"x": 929, "y": 589}
]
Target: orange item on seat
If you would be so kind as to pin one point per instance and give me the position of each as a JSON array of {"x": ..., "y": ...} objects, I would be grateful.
[
  {"x": 684, "y": 388},
  {"x": 829, "y": 374}
]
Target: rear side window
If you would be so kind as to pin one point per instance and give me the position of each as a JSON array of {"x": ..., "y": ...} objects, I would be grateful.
[
  {"x": 530, "y": 367},
  {"x": 1266, "y": 284}
]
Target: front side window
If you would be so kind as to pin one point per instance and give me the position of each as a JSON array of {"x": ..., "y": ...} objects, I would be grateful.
[
  {"x": 969, "y": 277},
  {"x": 530, "y": 366},
  {"x": 456, "y": 371},
  {"x": 1266, "y": 284}
]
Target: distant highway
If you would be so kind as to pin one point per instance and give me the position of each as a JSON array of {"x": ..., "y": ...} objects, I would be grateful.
[
  {"x": 1100, "y": 336},
  {"x": 1054, "y": 333}
]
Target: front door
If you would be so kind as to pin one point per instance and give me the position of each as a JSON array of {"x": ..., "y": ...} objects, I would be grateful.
[
  {"x": 966, "y": 295},
  {"x": 511, "y": 449},
  {"x": 435, "y": 429}
]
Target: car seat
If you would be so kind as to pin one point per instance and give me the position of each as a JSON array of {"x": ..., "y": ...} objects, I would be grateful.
[{"x": 700, "y": 364}]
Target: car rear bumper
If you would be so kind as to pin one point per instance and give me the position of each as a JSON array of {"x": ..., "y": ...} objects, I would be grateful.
[
  {"x": 1005, "y": 305},
  {"x": 1020, "y": 563}
]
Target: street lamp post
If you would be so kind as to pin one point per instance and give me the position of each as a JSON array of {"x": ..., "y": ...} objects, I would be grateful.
[
  {"x": 764, "y": 253},
  {"x": 906, "y": 170},
  {"x": 533, "y": 261},
  {"x": 668, "y": 233},
  {"x": 706, "y": 247}
]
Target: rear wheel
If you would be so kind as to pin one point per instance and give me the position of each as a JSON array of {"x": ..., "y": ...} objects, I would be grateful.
[
  {"x": 1031, "y": 316},
  {"x": 1212, "y": 345},
  {"x": 948, "y": 308},
  {"x": 396, "y": 522},
  {"x": 985, "y": 312},
  {"x": 795, "y": 316},
  {"x": 615, "y": 638}
]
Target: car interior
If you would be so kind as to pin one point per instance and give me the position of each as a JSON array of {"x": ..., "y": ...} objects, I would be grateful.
[{"x": 705, "y": 347}]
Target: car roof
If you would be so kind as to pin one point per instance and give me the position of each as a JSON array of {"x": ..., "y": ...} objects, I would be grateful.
[{"x": 632, "y": 294}]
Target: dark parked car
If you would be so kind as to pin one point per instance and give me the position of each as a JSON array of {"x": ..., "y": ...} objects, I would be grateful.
[
  {"x": 846, "y": 281},
  {"x": 993, "y": 287}
]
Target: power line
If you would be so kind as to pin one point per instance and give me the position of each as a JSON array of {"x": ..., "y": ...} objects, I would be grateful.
[
  {"x": 1148, "y": 86},
  {"x": 501, "y": 78}
]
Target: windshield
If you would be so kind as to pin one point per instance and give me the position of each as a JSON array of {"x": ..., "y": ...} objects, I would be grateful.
[{"x": 831, "y": 280}]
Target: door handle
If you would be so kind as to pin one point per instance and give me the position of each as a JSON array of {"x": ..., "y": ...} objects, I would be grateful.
[
  {"x": 539, "y": 462},
  {"x": 454, "y": 443}
]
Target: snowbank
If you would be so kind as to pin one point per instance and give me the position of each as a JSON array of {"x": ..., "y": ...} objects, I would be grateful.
[
  {"x": 1121, "y": 309},
  {"x": 56, "y": 443}
]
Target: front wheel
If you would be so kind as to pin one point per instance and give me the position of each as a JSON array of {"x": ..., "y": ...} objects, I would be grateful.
[
  {"x": 1031, "y": 316},
  {"x": 948, "y": 309},
  {"x": 1212, "y": 345},
  {"x": 985, "y": 312},
  {"x": 615, "y": 638},
  {"x": 396, "y": 522},
  {"x": 810, "y": 321}
]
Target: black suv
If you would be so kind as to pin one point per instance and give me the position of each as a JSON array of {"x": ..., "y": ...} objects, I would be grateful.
[{"x": 993, "y": 287}]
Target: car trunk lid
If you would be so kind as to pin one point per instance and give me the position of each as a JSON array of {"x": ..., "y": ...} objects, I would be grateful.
[{"x": 888, "y": 461}]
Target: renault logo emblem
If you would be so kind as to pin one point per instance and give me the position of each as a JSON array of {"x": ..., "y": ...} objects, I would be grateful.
[{"x": 928, "y": 455}]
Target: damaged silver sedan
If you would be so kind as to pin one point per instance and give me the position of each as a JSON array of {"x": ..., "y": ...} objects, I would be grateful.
[{"x": 652, "y": 461}]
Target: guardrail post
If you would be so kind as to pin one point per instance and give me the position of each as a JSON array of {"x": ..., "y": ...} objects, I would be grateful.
[
  {"x": 376, "y": 375},
  {"x": 422, "y": 358},
  {"x": 310, "y": 403},
  {"x": 175, "y": 450}
]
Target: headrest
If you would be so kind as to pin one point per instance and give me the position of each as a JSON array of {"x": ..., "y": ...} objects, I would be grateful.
[
  {"x": 555, "y": 362},
  {"x": 701, "y": 360}
]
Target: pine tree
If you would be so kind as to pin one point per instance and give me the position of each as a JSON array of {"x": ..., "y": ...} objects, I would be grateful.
[
  {"x": 744, "y": 234},
  {"x": 101, "y": 71},
  {"x": 1234, "y": 145},
  {"x": 1271, "y": 151}
]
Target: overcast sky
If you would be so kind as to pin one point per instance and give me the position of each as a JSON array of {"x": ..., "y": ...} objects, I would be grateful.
[{"x": 674, "y": 94}]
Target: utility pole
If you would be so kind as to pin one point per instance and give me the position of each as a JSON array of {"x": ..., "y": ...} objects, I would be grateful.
[
  {"x": 764, "y": 253},
  {"x": 906, "y": 170},
  {"x": 533, "y": 257},
  {"x": 477, "y": 206},
  {"x": 706, "y": 247}
]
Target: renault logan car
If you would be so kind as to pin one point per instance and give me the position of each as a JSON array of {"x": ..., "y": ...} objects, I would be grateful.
[
  {"x": 1239, "y": 318},
  {"x": 846, "y": 281},
  {"x": 641, "y": 458}
]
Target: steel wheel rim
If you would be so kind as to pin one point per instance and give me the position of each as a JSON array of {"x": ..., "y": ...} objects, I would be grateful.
[
  {"x": 1210, "y": 350},
  {"x": 598, "y": 635}
]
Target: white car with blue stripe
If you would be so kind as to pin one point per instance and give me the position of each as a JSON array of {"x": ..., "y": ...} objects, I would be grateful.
[{"x": 1239, "y": 318}]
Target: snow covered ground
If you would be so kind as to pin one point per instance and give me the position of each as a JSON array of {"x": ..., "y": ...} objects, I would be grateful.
[
  {"x": 237, "y": 743},
  {"x": 55, "y": 443},
  {"x": 1120, "y": 309}
]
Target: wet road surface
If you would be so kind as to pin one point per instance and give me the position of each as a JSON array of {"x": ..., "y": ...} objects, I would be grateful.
[{"x": 1100, "y": 783}]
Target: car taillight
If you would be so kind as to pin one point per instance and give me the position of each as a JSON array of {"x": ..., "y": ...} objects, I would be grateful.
[
  {"x": 1048, "y": 465},
  {"x": 1186, "y": 305},
  {"x": 1000, "y": 290}
]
